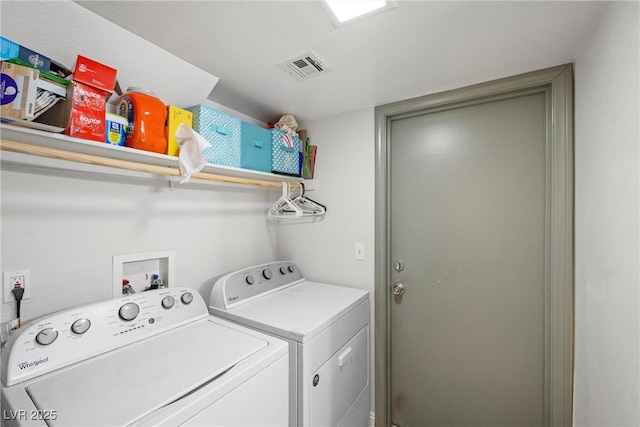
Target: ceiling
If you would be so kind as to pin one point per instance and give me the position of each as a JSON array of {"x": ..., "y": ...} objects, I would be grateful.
[{"x": 417, "y": 48}]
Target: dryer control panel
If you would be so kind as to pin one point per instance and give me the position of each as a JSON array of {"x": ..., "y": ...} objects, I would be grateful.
[
  {"x": 247, "y": 284},
  {"x": 70, "y": 336}
]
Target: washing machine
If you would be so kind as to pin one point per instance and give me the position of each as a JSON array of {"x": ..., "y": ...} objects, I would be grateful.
[
  {"x": 151, "y": 358},
  {"x": 327, "y": 328}
]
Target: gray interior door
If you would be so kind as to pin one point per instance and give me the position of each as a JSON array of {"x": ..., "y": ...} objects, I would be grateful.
[{"x": 467, "y": 220}]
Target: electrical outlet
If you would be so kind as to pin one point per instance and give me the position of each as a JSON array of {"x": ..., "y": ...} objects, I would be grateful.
[{"x": 13, "y": 279}]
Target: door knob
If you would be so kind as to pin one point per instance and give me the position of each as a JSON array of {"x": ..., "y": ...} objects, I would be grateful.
[{"x": 398, "y": 288}]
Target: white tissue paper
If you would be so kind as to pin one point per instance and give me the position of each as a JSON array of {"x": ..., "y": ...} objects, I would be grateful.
[
  {"x": 191, "y": 157},
  {"x": 287, "y": 123}
]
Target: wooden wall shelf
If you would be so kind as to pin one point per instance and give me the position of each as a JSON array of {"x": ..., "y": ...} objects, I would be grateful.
[{"x": 29, "y": 147}]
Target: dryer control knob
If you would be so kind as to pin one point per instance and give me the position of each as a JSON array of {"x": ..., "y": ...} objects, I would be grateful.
[
  {"x": 187, "y": 297},
  {"x": 46, "y": 336},
  {"x": 283, "y": 270},
  {"x": 267, "y": 274},
  {"x": 291, "y": 268},
  {"x": 129, "y": 311},
  {"x": 81, "y": 326},
  {"x": 168, "y": 301},
  {"x": 250, "y": 280}
]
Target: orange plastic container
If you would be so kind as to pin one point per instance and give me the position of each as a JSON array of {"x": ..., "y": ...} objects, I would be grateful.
[{"x": 146, "y": 115}]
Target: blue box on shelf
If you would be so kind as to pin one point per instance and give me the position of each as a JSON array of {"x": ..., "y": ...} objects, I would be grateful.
[
  {"x": 12, "y": 50},
  {"x": 222, "y": 131},
  {"x": 255, "y": 147},
  {"x": 286, "y": 153}
]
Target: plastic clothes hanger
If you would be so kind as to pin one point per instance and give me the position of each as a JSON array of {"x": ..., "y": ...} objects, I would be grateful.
[
  {"x": 307, "y": 205},
  {"x": 284, "y": 207},
  {"x": 297, "y": 207}
]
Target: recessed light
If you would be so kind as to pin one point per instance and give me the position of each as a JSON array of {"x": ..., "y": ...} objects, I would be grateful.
[{"x": 347, "y": 11}]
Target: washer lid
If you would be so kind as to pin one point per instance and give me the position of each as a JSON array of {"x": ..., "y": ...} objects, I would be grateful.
[
  {"x": 298, "y": 312},
  {"x": 124, "y": 385}
]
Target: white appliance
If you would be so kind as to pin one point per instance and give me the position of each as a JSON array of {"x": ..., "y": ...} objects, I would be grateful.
[
  {"x": 327, "y": 328},
  {"x": 150, "y": 358}
]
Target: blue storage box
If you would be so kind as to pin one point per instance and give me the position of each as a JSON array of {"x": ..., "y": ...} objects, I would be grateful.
[
  {"x": 286, "y": 153},
  {"x": 255, "y": 153},
  {"x": 222, "y": 131},
  {"x": 12, "y": 50}
]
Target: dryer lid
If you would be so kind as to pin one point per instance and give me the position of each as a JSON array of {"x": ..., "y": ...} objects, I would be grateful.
[
  {"x": 298, "y": 312},
  {"x": 124, "y": 385}
]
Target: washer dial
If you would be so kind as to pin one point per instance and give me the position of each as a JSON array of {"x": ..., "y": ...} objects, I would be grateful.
[
  {"x": 168, "y": 302},
  {"x": 81, "y": 326},
  {"x": 46, "y": 336},
  {"x": 187, "y": 297},
  {"x": 129, "y": 311}
]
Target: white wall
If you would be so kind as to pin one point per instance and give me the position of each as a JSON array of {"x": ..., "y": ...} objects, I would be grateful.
[
  {"x": 606, "y": 223},
  {"x": 138, "y": 62},
  {"x": 65, "y": 227},
  {"x": 345, "y": 177},
  {"x": 345, "y": 184}
]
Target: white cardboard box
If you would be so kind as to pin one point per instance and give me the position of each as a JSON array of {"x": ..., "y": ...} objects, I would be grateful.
[{"x": 18, "y": 91}]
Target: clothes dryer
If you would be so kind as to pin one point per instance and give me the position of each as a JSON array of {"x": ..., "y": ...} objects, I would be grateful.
[
  {"x": 151, "y": 358},
  {"x": 327, "y": 328}
]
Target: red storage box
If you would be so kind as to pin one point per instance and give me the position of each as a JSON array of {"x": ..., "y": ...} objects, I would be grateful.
[
  {"x": 88, "y": 113},
  {"x": 94, "y": 74},
  {"x": 93, "y": 83}
]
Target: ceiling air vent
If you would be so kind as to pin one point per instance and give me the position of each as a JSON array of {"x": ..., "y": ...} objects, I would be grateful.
[{"x": 304, "y": 66}]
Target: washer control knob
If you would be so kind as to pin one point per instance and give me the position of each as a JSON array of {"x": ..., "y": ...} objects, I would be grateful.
[
  {"x": 46, "y": 336},
  {"x": 250, "y": 280},
  {"x": 283, "y": 270},
  {"x": 267, "y": 274},
  {"x": 168, "y": 302},
  {"x": 291, "y": 268},
  {"x": 187, "y": 297},
  {"x": 129, "y": 311},
  {"x": 81, "y": 326}
]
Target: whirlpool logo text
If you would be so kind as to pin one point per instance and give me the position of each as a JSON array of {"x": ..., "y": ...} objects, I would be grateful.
[{"x": 29, "y": 365}]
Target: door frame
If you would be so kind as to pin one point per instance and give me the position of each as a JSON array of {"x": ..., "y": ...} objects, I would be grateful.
[{"x": 557, "y": 83}]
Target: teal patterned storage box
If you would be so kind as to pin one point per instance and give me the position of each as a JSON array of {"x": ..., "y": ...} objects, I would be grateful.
[
  {"x": 286, "y": 153},
  {"x": 255, "y": 153},
  {"x": 222, "y": 130}
]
